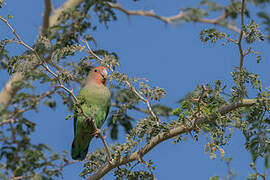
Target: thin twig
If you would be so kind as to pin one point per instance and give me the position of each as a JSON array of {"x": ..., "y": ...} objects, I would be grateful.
[
  {"x": 106, "y": 148},
  {"x": 232, "y": 40},
  {"x": 138, "y": 162},
  {"x": 230, "y": 173},
  {"x": 199, "y": 100},
  {"x": 63, "y": 165},
  {"x": 142, "y": 161},
  {"x": 241, "y": 35},
  {"x": 10, "y": 27}
]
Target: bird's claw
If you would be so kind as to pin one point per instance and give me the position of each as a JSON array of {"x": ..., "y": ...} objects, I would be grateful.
[
  {"x": 110, "y": 161},
  {"x": 97, "y": 133}
]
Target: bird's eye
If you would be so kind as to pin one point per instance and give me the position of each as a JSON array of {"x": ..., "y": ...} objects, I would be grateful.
[{"x": 95, "y": 70}]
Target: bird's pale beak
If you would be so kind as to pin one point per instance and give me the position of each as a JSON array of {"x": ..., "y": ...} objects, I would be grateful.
[{"x": 104, "y": 73}]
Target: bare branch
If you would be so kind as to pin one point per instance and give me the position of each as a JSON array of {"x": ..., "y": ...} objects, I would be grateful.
[
  {"x": 241, "y": 35},
  {"x": 173, "y": 19},
  {"x": 150, "y": 13},
  {"x": 168, "y": 135},
  {"x": 10, "y": 27},
  {"x": 46, "y": 15},
  {"x": 106, "y": 148}
]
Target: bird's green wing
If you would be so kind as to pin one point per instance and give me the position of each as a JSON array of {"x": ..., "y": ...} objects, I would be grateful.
[
  {"x": 96, "y": 108},
  {"x": 75, "y": 118}
]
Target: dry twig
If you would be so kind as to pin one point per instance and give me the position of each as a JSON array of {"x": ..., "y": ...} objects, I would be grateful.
[{"x": 241, "y": 35}]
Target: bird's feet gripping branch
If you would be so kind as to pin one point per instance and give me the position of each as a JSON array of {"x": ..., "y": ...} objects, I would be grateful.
[{"x": 97, "y": 133}]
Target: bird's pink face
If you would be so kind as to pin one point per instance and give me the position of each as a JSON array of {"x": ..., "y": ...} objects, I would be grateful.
[{"x": 99, "y": 75}]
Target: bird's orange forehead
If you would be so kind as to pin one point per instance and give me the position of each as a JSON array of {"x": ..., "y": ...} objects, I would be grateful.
[{"x": 102, "y": 68}]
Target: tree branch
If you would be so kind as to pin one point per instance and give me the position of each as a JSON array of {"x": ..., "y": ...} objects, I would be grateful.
[
  {"x": 163, "y": 136},
  {"x": 63, "y": 165},
  {"x": 241, "y": 35},
  {"x": 150, "y": 13},
  {"x": 46, "y": 16},
  {"x": 54, "y": 19},
  {"x": 9, "y": 91},
  {"x": 173, "y": 19}
]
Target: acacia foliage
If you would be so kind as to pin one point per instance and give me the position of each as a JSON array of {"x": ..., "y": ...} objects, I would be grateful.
[{"x": 22, "y": 159}]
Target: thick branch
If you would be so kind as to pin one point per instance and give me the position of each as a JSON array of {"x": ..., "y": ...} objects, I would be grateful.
[
  {"x": 54, "y": 19},
  {"x": 150, "y": 13},
  {"x": 173, "y": 19},
  {"x": 165, "y": 136},
  {"x": 46, "y": 16},
  {"x": 9, "y": 91}
]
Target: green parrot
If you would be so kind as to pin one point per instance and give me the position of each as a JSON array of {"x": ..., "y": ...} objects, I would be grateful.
[{"x": 95, "y": 101}]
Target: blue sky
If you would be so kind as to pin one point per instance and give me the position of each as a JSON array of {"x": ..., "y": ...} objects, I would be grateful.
[{"x": 171, "y": 57}]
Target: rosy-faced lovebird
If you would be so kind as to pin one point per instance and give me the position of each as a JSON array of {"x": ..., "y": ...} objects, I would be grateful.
[{"x": 95, "y": 101}]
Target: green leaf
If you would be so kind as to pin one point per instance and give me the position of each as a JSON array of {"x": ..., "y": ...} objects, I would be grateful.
[
  {"x": 69, "y": 117},
  {"x": 10, "y": 16}
]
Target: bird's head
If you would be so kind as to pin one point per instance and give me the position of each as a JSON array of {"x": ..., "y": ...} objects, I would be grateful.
[{"x": 98, "y": 75}]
